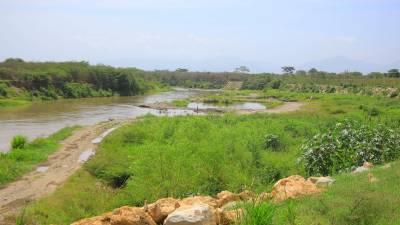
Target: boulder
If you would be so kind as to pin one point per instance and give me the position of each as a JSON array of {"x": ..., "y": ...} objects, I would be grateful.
[
  {"x": 207, "y": 200},
  {"x": 229, "y": 206},
  {"x": 292, "y": 187},
  {"x": 162, "y": 208},
  {"x": 246, "y": 195},
  {"x": 225, "y": 197},
  {"x": 227, "y": 217},
  {"x": 368, "y": 165},
  {"x": 121, "y": 216},
  {"x": 321, "y": 181},
  {"x": 365, "y": 167},
  {"x": 196, "y": 214}
]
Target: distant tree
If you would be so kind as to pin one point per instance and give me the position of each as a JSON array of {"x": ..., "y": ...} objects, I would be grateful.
[
  {"x": 14, "y": 60},
  {"x": 242, "y": 69},
  {"x": 288, "y": 69},
  {"x": 312, "y": 71},
  {"x": 393, "y": 73},
  {"x": 376, "y": 75},
  {"x": 182, "y": 70},
  {"x": 276, "y": 84},
  {"x": 301, "y": 72}
]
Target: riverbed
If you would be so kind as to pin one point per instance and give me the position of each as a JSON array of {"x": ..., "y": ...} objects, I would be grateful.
[{"x": 41, "y": 119}]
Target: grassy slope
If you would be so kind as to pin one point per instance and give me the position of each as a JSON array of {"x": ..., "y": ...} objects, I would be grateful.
[
  {"x": 19, "y": 161},
  {"x": 177, "y": 156}
]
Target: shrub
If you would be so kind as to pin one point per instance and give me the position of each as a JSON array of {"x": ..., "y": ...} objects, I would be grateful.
[
  {"x": 3, "y": 90},
  {"x": 18, "y": 142},
  {"x": 272, "y": 142},
  {"x": 349, "y": 144}
]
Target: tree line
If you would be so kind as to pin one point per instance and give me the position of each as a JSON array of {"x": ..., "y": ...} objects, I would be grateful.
[{"x": 49, "y": 80}]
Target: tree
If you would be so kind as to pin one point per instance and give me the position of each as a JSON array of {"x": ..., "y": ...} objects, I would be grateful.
[
  {"x": 288, "y": 69},
  {"x": 393, "y": 73},
  {"x": 182, "y": 70},
  {"x": 301, "y": 72},
  {"x": 376, "y": 74},
  {"x": 242, "y": 69},
  {"x": 312, "y": 71}
]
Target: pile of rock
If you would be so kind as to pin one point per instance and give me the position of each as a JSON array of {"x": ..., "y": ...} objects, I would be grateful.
[{"x": 206, "y": 210}]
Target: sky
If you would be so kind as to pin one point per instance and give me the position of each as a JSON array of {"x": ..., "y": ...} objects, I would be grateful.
[{"x": 205, "y": 35}]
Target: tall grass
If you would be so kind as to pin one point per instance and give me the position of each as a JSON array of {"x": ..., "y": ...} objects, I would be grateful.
[{"x": 257, "y": 213}]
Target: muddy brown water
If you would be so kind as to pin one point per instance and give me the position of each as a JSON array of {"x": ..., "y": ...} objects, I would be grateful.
[{"x": 44, "y": 118}]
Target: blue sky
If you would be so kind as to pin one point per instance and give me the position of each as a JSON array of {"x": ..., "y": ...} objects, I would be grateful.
[{"x": 216, "y": 35}]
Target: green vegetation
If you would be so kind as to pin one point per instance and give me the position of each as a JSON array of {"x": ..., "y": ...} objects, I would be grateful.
[
  {"x": 24, "y": 156},
  {"x": 257, "y": 213},
  {"x": 159, "y": 157},
  {"x": 18, "y": 142},
  {"x": 348, "y": 144},
  {"x": 352, "y": 200},
  {"x": 181, "y": 103},
  {"x": 22, "y": 81}
]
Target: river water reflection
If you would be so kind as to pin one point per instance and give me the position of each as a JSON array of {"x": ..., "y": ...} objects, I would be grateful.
[{"x": 43, "y": 118}]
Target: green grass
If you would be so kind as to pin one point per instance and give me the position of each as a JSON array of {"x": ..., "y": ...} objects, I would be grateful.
[
  {"x": 19, "y": 161},
  {"x": 351, "y": 200},
  {"x": 158, "y": 157},
  {"x": 10, "y": 103},
  {"x": 180, "y": 103}
]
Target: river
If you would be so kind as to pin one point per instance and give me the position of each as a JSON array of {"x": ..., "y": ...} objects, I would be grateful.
[{"x": 41, "y": 119}]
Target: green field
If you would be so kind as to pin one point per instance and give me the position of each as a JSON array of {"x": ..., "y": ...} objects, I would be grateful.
[{"x": 158, "y": 157}]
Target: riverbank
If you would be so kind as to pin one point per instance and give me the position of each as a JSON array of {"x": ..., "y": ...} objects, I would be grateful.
[
  {"x": 19, "y": 161},
  {"x": 42, "y": 118},
  {"x": 50, "y": 161},
  {"x": 12, "y": 103}
]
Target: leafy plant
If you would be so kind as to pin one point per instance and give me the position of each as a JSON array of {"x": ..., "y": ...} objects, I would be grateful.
[
  {"x": 272, "y": 141},
  {"x": 349, "y": 144}
]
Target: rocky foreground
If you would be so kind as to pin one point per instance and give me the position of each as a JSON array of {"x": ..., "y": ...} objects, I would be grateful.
[{"x": 205, "y": 210}]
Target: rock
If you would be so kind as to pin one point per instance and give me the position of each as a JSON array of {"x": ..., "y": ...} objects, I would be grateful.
[
  {"x": 246, "y": 195},
  {"x": 121, "y": 216},
  {"x": 207, "y": 200},
  {"x": 225, "y": 197},
  {"x": 360, "y": 169},
  {"x": 162, "y": 208},
  {"x": 292, "y": 187},
  {"x": 368, "y": 165},
  {"x": 365, "y": 167},
  {"x": 197, "y": 214},
  {"x": 321, "y": 181},
  {"x": 229, "y": 206},
  {"x": 229, "y": 216}
]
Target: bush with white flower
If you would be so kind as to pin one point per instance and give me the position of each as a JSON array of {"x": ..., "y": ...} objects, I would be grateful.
[{"x": 349, "y": 144}]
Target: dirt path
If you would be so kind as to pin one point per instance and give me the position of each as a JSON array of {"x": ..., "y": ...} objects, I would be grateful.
[
  {"x": 285, "y": 108},
  {"x": 54, "y": 172}
]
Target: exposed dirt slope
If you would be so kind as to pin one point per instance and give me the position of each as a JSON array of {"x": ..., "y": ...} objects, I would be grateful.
[{"x": 52, "y": 173}]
